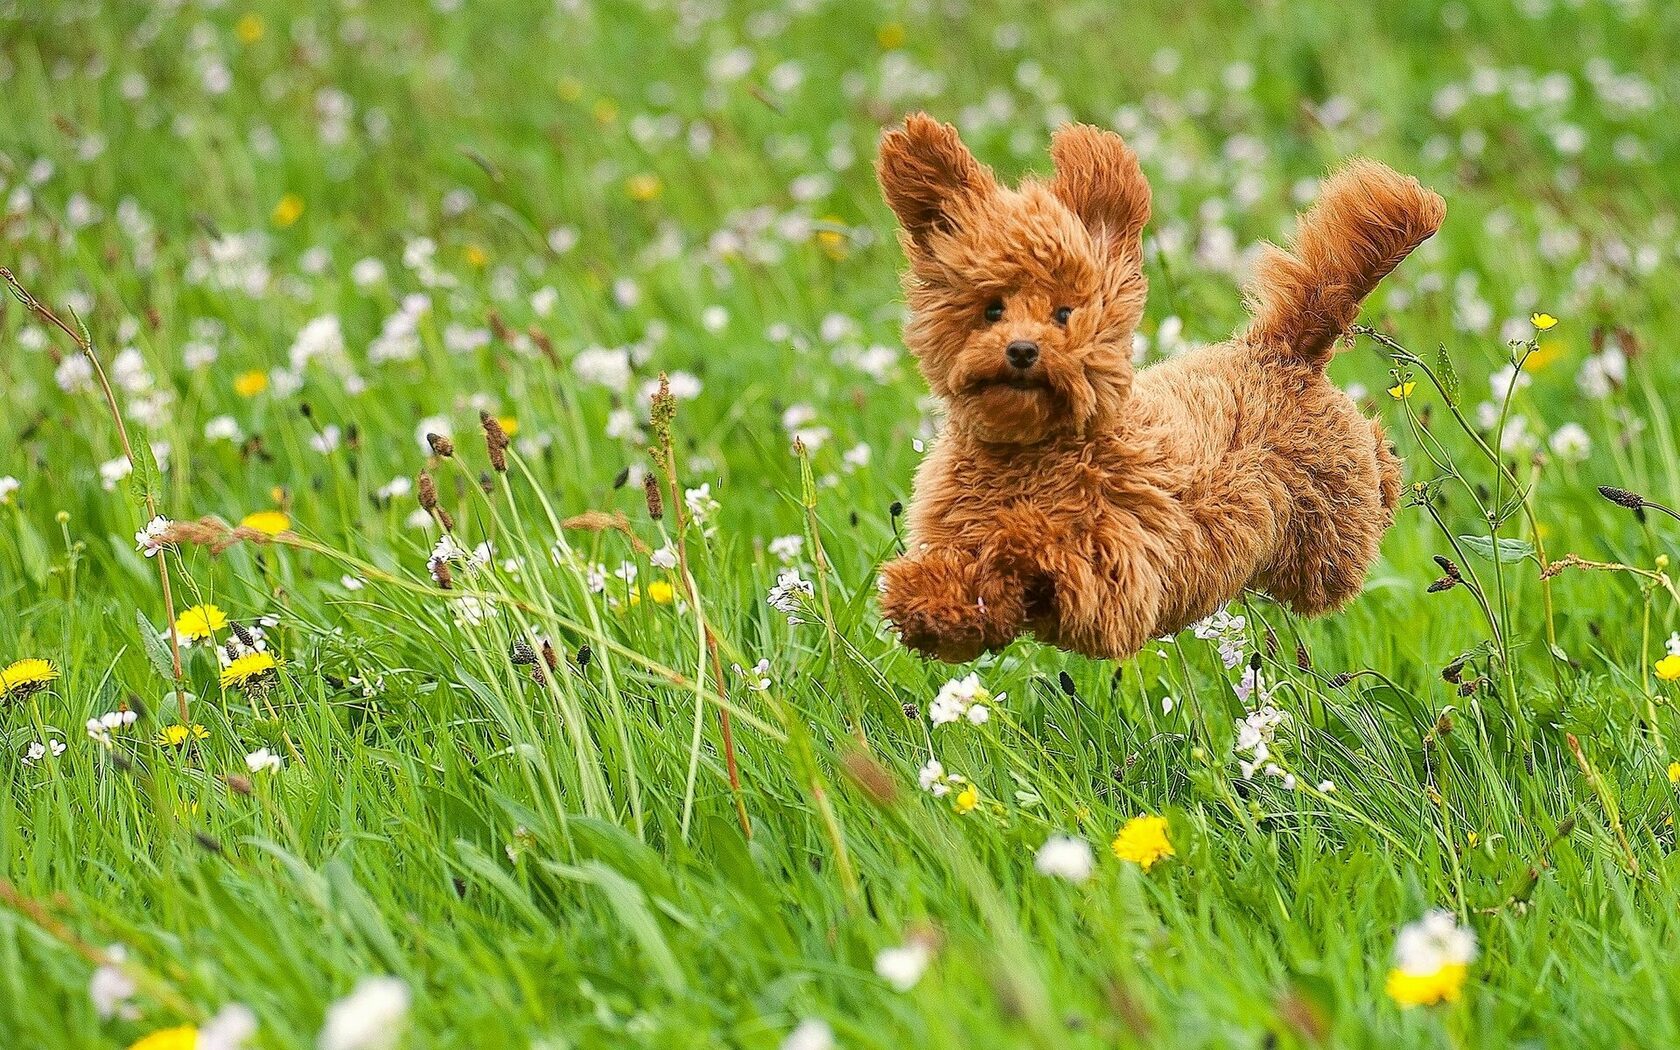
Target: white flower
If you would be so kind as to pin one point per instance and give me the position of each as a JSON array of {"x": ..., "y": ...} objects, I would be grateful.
[
  {"x": 351, "y": 583},
  {"x": 148, "y": 541},
  {"x": 856, "y": 457},
  {"x": 370, "y": 1018},
  {"x": 111, "y": 987},
  {"x": 787, "y": 549},
  {"x": 100, "y": 729},
  {"x": 39, "y": 750},
  {"x": 367, "y": 273},
  {"x": 758, "y": 679},
  {"x": 228, "y": 1030},
  {"x": 1065, "y": 858},
  {"x": 1229, "y": 630},
  {"x": 74, "y": 374},
  {"x": 222, "y": 428},
  {"x": 962, "y": 698},
  {"x": 664, "y": 558},
  {"x": 262, "y": 760},
  {"x": 322, "y": 337},
  {"x": 789, "y": 594},
  {"x": 603, "y": 367},
  {"x": 932, "y": 778},
  {"x": 812, "y": 1034},
  {"x": 701, "y": 506},
  {"x": 8, "y": 486},
  {"x": 903, "y": 966},
  {"x": 472, "y": 611},
  {"x": 1674, "y": 644},
  {"x": 327, "y": 440},
  {"x": 1603, "y": 373},
  {"x": 714, "y": 319},
  {"x": 1571, "y": 442},
  {"x": 1433, "y": 942}
]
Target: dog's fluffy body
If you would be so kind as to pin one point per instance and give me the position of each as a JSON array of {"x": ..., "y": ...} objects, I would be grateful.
[{"x": 1097, "y": 509}]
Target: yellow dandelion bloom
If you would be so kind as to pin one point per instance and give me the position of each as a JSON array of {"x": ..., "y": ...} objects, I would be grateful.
[
  {"x": 184, "y": 1037},
  {"x": 1143, "y": 841},
  {"x": 643, "y": 187},
  {"x": 26, "y": 677},
  {"x": 177, "y": 734},
  {"x": 287, "y": 210},
  {"x": 250, "y": 384},
  {"x": 267, "y": 522},
  {"x": 1402, "y": 391},
  {"x": 1668, "y": 668},
  {"x": 1442, "y": 986},
  {"x": 249, "y": 29},
  {"x": 1674, "y": 772},
  {"x": 476, "y": 256},
  {"x": 200, "y": 621},
  {"x": 245, "y": 670},
  {"x": 661, "y": 592},
  {"x": 510, "y": 425},
  {"x": 891, "y": 36},
  {"x": 1543, "y": 322},
  {"x": 967, "y": 799}
]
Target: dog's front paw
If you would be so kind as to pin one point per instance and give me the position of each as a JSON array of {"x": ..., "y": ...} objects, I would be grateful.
[{"x": 939, "y": 606}]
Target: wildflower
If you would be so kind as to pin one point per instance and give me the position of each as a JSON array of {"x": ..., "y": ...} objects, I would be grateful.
[
  {"x": 262, "y": 760},
  {"x": 962, "y": 698},
  {"x": 665, "y": 557},
  {"x": 179, "y": 735},
  {"x": 1402, "y": 391},
  {"x": 38, "y": 750},
  {"x": 8, "y": 486},
  {"x": 1064, "y": 857},
  {"x": 100, "y": 729},
  {"x": 1668, "y": 668},
  {"x": 1432, "y": 957},
  {"x": 1543, "y": 322},
  {"x": 111, "y": 987},
  {"x": 232, "y": 1026},
  {"x": 267, "y": 522},
  {"x": 200, "y": 621},
  {"x": 1674, "y": 772},
  {"x": 371, "y": 1017},
  {"x": 182, "y": 1037},
  {"x": 1571, "y": 443},
  {"x": 903, "y": 966},
  {"x": 25, "y": 678},
  {"x": 701, "y": 506},
  {"x": 812, "y": 1034},
  {"x": 789, "y": 594},
  {"x": 249, "y": 28},
  {"x": 643, "y": 187},
  {"x": 1143, "y": 841},
  {"x": 932, "y": 778},
  {"x": 787, "y": 549},
  {"x": 252, "y": 670},
  {"x": 661, "y": 593},
  {"x": 967, "y": 799},
  {"x": 758, "y": 679},
  {"x": 149, "y": 541},
  {"x": 287, "y": 210},
  {"x": 1229, "y": 630},
  {"x": 1673, "y": 644},
  {"x": 250, "y": 384},
  {"x": 1255, "y": 734},
  {"x": 472, "y": 611}
]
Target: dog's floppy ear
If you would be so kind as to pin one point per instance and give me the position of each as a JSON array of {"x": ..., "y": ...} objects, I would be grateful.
[
  {"x": 923, "y": 167},
  {"x": 1098, "y": 178}
]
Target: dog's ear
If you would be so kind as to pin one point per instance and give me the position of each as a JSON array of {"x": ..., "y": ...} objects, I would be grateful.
[
  {"x": 924, "y": 167},
  {"x": 1098, "y": 178}
]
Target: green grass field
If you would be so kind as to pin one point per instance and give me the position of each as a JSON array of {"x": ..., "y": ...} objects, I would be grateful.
[{"x": 302, "y": 236}]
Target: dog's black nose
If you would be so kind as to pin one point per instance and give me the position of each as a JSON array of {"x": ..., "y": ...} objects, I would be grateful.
[{"x": 1021, "y": 353}]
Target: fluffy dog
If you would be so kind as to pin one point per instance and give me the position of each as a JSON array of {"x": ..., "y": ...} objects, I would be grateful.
[{"x": 1095, "y": 508}]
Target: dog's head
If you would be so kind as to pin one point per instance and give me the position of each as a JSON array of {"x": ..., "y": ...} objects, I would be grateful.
[{"x": 1022, "y": 301}]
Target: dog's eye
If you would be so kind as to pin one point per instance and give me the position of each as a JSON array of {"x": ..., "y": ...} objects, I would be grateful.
[
  {"x": 994, "y": 311},
  {"x": 1062, "y": 314}
]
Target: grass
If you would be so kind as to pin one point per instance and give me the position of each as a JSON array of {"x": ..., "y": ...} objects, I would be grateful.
[{"x": 563, "y": 863}]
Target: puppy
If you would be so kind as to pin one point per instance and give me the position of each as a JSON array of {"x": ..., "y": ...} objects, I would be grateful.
[{"x": 1098, "y": 509}]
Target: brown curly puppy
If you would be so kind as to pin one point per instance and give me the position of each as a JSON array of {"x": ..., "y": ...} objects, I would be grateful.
[{"x": 1097, "y": 509}]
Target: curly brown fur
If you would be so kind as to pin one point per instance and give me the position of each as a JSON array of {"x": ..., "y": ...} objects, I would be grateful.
[{"x": 1096, "y": 509}]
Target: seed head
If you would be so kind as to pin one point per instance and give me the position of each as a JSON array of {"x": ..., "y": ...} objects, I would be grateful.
[
  {"x": 442, "y": 447},
  {"x": 655, "y": 501},
  {"x": 1341, "y": 679},
  {"x": 495, "y": 440}
]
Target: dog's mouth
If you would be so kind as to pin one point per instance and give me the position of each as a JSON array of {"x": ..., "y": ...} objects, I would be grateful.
[{"x": 1011, "y": 382}]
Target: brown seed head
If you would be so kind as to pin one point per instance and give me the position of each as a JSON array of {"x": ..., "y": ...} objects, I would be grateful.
[
  {"x": 655, "y": 500},
  {"x": 495, "y": 440},
  {"x": 442, "y": 447}
]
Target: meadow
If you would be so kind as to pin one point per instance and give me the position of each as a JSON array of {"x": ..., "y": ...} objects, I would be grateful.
[{"x": 509, "y": 399}]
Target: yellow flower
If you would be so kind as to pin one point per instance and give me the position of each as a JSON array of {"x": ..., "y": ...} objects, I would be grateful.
[
  {"x": 1442, "y": 986},
  {"x": 510, "y": 425},
  {"x": 476, "y": 256},
  {"x": 967, "y": 799},
  {"x": 267, "y": 522},
  {"x": 249, "y": 28},
  {"x": 244, "y": 671},
  {"x": 200, "y": 621},
  {"x": 26, "y": 678},
  {"x": 1543, "y": 322},
  {"x": 1668, "y": 668},
  {"x": 183, "y": 1038},
  {"x": 1143, "y": 841},
  {"x": 1674, "y": 772},
  {"x": 177, "y": 734},
  {"x": 288, "y": 210},
  {"x": 831, "y": 238},
  {"x": 891, "y": 36},
  {"x": 1544, "y": 354},
  {"x": 250, "y": 384},
  {"x": 1401, "y": 391},
  {"x": 643, "y": 187},
  {"x": 661, "y": 592}
]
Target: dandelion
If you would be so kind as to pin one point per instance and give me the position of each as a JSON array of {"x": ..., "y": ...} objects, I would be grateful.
[
  {"x": 267, "y": 522},
  {"x": 262, "y": 760},
  {"x": 1064, "y": 857},
  {"x": 250, "y": 384},
  {"x": 249, "y": 672},
  {"x": 1143, "y": 841},
  {"x": 25, "y": 678},
  {"x": 287, "y": 210},
  {"x": 1432, "y": 957},
  {"x": 904, "y": 965},
  {"x": 179, "y": 735},
  {"x": 661, "y": 593},
  {"x": 1674, "y": 772},
  {"x": 1402, "y": 391},
  {"x": 149, "y": 540},
  {"x": 1668, "y": 668},
  {"x": 1543, "y": 322},
  {"x": 371, "y": 1017},
  {"x": 182, "y": 1037},
  {"x": 200, "y": 622}
]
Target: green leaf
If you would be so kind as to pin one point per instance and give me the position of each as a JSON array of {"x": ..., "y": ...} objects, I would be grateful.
[
  {"x": 1505, "y": 550},
  {"x": 1445, "y": 372},
  {"x": 145, "y": 479},
  {"x": 33, "y": 550},
  {"x": 157, "y": 648}
]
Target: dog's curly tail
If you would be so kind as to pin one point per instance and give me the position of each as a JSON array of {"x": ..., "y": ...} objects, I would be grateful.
[{"x": 1368, "y": 218}]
